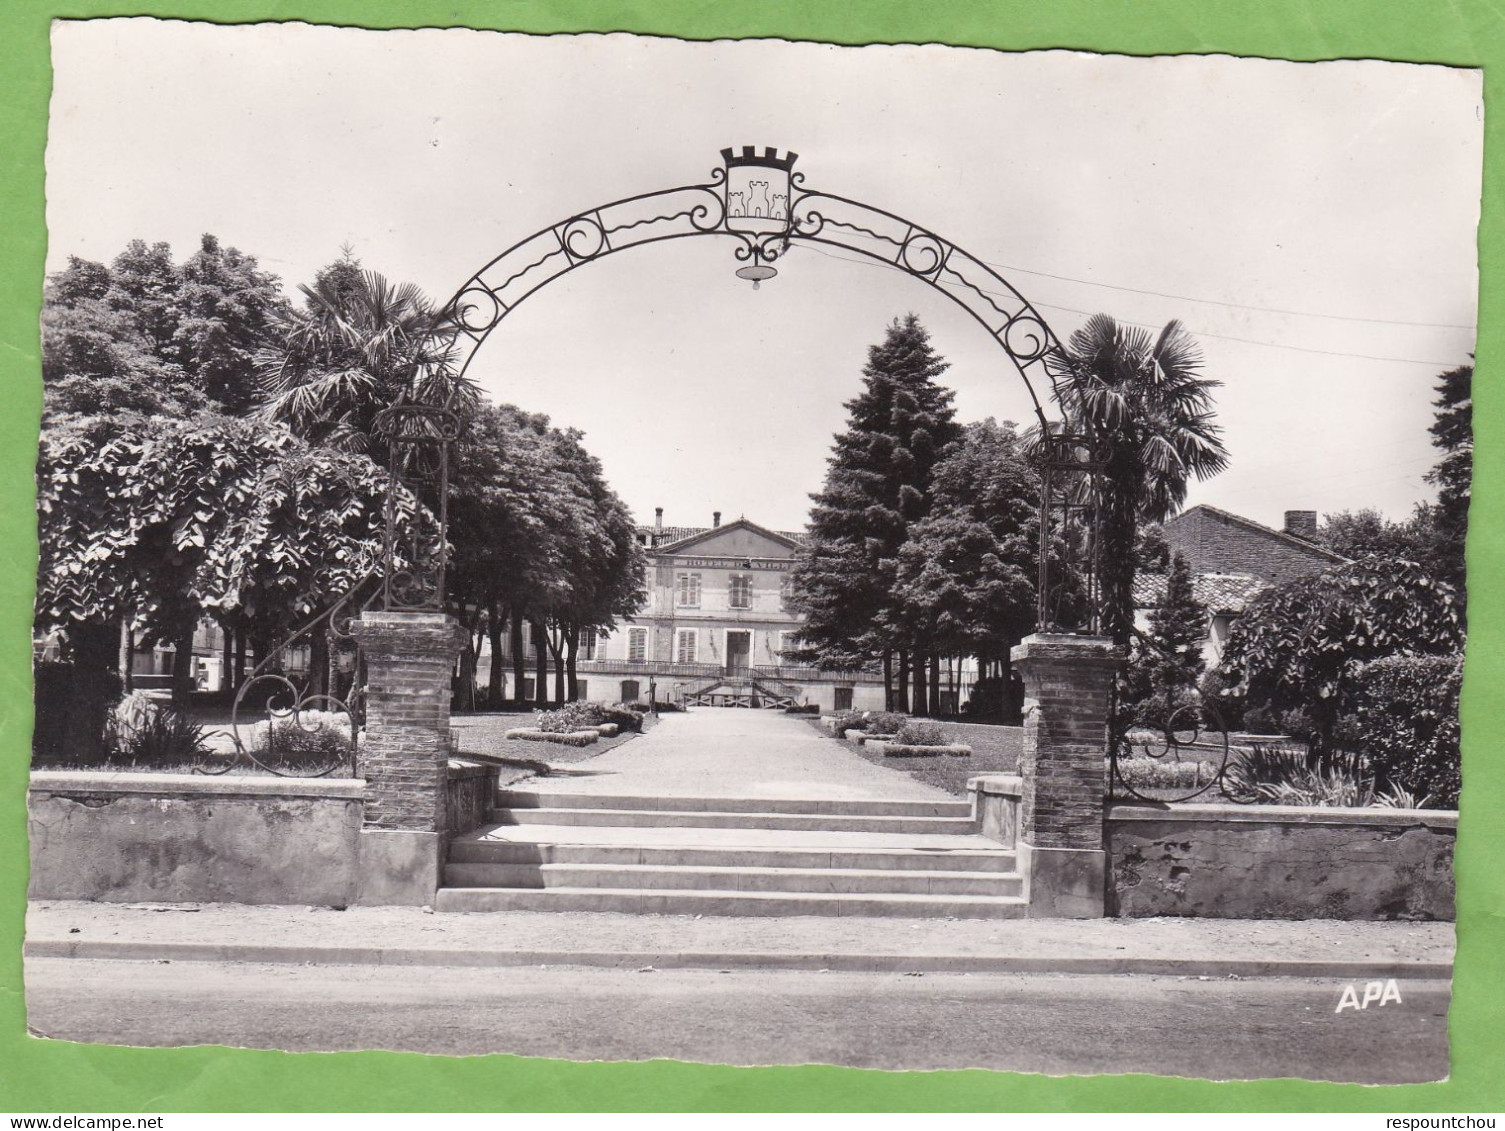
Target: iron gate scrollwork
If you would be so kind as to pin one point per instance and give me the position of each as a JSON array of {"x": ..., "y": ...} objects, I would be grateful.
[
  {"x": 419, "y": 439},
  {"x": 1176, "y": 747},
  {"x": 286, "y": 728}
]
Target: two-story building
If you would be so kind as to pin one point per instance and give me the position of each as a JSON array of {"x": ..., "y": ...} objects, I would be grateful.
[{"x": 716, "y": 626}]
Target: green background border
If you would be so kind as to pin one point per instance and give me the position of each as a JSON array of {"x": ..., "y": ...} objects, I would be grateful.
[{"x": 56, "y": 1076}]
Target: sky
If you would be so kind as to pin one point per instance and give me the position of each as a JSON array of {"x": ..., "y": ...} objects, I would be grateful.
[{"x": 1314, "y": 225}]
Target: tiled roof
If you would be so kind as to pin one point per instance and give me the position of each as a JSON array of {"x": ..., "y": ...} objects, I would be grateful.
[
  {"x": 1250, "y": 524},
  {"x": 1217, "y": 592}
]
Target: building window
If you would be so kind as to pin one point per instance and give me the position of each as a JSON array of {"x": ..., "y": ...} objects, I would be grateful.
[
  {"x": 637, "y": 643},
  {"x": 786, "y": 591},
  {"x": 686, "y": 641},
  {"x": 586, "y": 649},
  {"x": 787, "y": 640},
  {"x": 688, "y": 596},
  {"x": 741, "y": 596}
]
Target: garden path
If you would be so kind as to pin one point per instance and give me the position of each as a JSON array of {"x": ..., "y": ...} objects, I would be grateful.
[{"x": 723, "y": 752}]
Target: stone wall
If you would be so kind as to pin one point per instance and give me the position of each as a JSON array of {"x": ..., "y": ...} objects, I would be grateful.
[
  {"x": 1280, "y": 862},
  {"x": 187, "y": 838},
  {"x": 470, "y": 793}
]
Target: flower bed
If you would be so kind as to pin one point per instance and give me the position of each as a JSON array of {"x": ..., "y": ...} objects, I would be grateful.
[
  {"x": 911, "y": 750},
  {"x": 562, "y": 737}
]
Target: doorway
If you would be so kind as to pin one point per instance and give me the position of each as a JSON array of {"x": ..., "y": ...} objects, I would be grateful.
[{"x": 738, "y": 651}]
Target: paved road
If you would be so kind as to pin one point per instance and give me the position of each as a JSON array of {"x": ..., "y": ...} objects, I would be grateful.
[
  {"x": 1051, "y": 1024},
  {"x": 720, "y": 752}
]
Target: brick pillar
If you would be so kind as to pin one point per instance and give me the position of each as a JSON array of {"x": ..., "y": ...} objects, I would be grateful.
[
  {"x": 404, "y": 759},
  {"x": 1067, "y": 684}
]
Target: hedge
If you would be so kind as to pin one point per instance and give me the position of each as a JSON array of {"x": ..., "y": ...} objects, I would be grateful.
[{"x": 1405, "y": 723}]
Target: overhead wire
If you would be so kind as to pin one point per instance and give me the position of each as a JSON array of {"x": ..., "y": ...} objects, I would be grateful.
[{"x": 1149, "y": 326}]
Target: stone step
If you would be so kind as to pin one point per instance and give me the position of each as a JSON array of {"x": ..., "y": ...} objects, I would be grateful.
[
  {"x": 739, "y": 879},
  {"x": 743, "y": 820},
  {"x": 964, "y": 858},
  {"x": 558, "y": 799},
  {"x": 715, "y": 902}
]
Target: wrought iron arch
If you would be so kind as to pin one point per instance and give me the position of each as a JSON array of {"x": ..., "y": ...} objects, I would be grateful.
[{"x": 761, "y": 202}]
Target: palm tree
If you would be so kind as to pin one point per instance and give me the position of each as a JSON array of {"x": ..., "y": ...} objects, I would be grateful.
[
  {"x": 359, "y": 345},
  {"x": 1140, "y": 396}
]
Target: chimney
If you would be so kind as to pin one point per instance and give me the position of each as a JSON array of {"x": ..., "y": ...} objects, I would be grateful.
[
  {"x": 658, "y": 518},
  {"x": 715, "y": 518},
  {"x": 1303, "y": 524}
]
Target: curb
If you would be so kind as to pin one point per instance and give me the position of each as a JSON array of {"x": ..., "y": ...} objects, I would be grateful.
[{"x": 123, "y": 950}]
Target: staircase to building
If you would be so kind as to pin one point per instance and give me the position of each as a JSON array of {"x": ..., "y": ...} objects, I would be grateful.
[
  {"x": 546, "y": 850},
  {"x": 741, "y": 691}
]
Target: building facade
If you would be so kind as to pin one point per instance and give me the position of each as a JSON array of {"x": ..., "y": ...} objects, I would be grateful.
[{"x": 715, "y": 627}]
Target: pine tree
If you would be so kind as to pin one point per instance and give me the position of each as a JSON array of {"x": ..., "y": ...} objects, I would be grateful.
[
  {"x": 1177, "y": 629},
  {"x": 1453, "y": 433},
  {"x": 877, "y": 486}
]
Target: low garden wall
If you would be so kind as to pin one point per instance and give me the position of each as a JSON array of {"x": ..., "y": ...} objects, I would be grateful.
[
  {"x": 469, "y": 793},
  {"x": 187, "y": 838},
  {"x": 1280, "y": 862}
]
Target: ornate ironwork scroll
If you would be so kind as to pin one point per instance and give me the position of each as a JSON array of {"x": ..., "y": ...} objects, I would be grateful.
[
  {"x": 1069, "y": 587},
  {"x": 759, "y": 200},
  {"x": 288, "y": 728},
  {"x": 418, "y": 438},
  {"x": 1166, "y": 749}
]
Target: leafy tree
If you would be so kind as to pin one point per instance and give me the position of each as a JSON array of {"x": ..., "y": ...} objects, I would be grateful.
[
  {"x": 1142, "y": 396},
  {"x": 538, "y": 536},
  {"x": 227, "y": 311},
  {"x": 158, "y": 519},
  {"x": 1300, "y": 647},
  {"x": 1367, "y": 532},
  {"x": 85, "y": 337},
  {"x": 966, "y": 575},
  {"x": 158, "y": 329},
  {"x": 877, "y": 486}
]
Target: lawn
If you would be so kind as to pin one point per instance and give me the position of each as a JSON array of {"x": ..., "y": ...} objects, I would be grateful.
[
  {"x": 995, "y": 750},
  {"x": 479, "y": 733},
  {"x": 485, "y": 733}
]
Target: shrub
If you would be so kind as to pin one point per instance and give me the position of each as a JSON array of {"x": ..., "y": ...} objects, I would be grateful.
[
  {"x": 570, "y": 717},
  {"x": 312, "y": 740},
  {"x": 1226, "y": 695},
  {"x": 1288, "y": 775},
  {"x": 1156, "y": 773},
  {"x": 626, "y": 718},
  {"x": 145, "y": 733},
  {"x": 1303, "y": 645},
  {"x": 71, "y": 713},
  {"x": 921, "y": 732},
  {"x": 987, "y": 697},
  {"x": 1406, "y": 725},
  {"x": 884, "y": 722},
  {"x": 802, "y": 709},
  {"x": 844, "y": 721}
]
